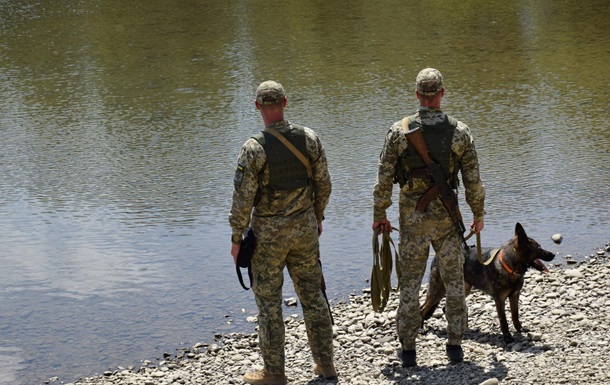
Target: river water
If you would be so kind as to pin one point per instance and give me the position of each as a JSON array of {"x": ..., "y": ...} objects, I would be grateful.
[{"x": 121, "y": 123}]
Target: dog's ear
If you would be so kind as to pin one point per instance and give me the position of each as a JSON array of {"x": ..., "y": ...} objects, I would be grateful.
[{"x": 522, "y": 238}]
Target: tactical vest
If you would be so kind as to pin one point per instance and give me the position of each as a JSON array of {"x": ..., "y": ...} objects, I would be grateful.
[
  {"x": 438, "y": 140},
  {"x": 286, "y": 171}
]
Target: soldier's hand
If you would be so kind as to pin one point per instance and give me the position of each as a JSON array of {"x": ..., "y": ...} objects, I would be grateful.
[
  {"x": 235, "y": 251},
  {"x": 384, "y": 225},
  {"x": 477, "y": 226}
]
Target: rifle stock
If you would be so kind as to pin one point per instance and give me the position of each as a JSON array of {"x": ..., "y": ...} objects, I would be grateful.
[{"x": 415, "y": 138}]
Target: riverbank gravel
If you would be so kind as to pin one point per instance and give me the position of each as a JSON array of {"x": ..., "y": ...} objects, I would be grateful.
[{"x": 567, "y": 312}]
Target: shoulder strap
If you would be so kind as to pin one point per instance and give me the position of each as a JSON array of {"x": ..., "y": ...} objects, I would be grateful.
[
  {"x": 453, "y": 121},
  {"x": 405, "y": 124},
  {"x": 409, "y": 122},
  {"x": 292, "y": 148},
  {"x": 260, "y": 138}
]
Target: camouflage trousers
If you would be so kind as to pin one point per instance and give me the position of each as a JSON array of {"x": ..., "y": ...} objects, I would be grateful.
[
  {"x": 290, "y": 242},
  {"x": 417, "y": 232}
]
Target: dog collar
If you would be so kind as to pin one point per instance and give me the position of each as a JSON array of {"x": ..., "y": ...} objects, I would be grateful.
[{"x": 504, "y": 264}]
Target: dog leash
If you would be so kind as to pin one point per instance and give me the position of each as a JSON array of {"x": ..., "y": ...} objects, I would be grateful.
[
  {"x": 479, "y": 250},
  {"x": 382, "y": 268}
]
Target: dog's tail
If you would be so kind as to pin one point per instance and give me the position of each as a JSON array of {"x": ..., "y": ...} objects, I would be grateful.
[
  {"x": 435, "y": 293},
  {"x": 427, "y": 309}
]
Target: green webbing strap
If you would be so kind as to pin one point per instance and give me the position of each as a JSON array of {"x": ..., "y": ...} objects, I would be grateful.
[{"x": 381, "y": 284}]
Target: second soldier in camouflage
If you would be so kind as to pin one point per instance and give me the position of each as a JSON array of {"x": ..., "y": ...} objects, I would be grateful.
[{"x": 450, "y": 143}]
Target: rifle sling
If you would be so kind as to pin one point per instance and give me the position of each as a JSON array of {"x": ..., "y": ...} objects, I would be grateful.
[
  {"x": 429, "y": 196},
  {"x": 432, "y": 192},
  {"x": 292, "y": 148}
]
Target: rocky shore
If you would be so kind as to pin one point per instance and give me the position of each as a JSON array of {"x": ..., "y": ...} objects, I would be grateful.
[{"x": 567, "y": 312}]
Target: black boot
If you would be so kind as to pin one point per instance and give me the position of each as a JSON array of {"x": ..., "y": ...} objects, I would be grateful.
[
  {"x": 455, "y": 353},
  {"x": 408, "y": 358}
]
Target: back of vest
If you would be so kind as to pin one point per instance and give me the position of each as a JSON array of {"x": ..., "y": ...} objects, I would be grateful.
[
  {"x": 439, "y": 139},
  {"x": 286, "y": 171}
]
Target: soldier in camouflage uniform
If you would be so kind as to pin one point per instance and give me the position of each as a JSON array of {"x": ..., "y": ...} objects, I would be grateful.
[
  {"x": 432, "y": 226},
  {"x": 285, "y": 205}
]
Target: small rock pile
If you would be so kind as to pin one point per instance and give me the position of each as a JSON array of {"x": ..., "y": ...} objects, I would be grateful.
[{"x": 566, "y": 311}]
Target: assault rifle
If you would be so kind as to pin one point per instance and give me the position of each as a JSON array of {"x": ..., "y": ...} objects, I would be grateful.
[{"x": 435, "y": 172}]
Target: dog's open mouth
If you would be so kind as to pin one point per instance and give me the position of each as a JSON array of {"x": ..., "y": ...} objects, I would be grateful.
[{"x": 538, "y": 265}]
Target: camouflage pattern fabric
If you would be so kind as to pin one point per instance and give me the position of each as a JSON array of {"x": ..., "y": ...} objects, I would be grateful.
[
  {"x": 285, "y": 223},
  {"x": 419, "y": 230},
  {"x": 291, "y": 242},
  {"x": 414, "y": 246}
]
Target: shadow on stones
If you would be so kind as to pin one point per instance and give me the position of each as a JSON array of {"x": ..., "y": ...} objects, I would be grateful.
[
  {"x": 488, "y": 338},
  {"x": 463, "y": 373},
  {"x": 476, "y": 335},
  {"x": 321, "y": 380}
]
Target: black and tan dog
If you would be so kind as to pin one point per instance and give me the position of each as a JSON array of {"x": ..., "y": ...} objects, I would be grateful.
[{"x": 502, "y": 278}]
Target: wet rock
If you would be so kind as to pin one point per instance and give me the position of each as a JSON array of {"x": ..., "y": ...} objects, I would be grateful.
[{"x": 290, "y": 301}]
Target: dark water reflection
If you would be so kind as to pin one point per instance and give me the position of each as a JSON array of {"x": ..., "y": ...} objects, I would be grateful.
[{"x": 121, "y": 123}]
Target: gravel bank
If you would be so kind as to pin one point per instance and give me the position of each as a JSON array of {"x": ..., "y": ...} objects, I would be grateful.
[{"x": 567, "y": 312}]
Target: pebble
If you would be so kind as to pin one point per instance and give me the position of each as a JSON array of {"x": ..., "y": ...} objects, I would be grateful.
[{"x": 567, "y": 341}]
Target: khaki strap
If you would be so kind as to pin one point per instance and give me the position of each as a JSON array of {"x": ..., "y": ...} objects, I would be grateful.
[
  {"x": 292, "y": 148},
  {"x": 381, "y": 274},
  {"x": 479, "y": 251},
  {"x": 493, "y": 253}
]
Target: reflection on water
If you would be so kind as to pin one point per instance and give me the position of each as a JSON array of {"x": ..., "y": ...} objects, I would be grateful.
[
  {"x": 10, "y": 363},
  {"x": 121, "y": 123}
]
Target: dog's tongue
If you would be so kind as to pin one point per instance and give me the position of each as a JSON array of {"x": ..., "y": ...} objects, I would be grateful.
[{"x": 539, "y": 265}]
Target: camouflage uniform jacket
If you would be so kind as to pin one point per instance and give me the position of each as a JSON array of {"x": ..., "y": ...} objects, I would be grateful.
[
  {"x": 252, "y": 177},
  {"x": 464, "y": 154}
]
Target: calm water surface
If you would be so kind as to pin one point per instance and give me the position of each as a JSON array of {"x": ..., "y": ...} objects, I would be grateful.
[{"x": 120, "y": 123}]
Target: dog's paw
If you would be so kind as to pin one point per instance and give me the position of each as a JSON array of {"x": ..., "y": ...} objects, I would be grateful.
[{"x": 508, "y": 338}]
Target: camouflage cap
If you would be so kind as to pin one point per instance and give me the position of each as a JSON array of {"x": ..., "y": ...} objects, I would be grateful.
[
  {"x": 270, "y": 92},
  {"x": 429, "y": 81}
]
